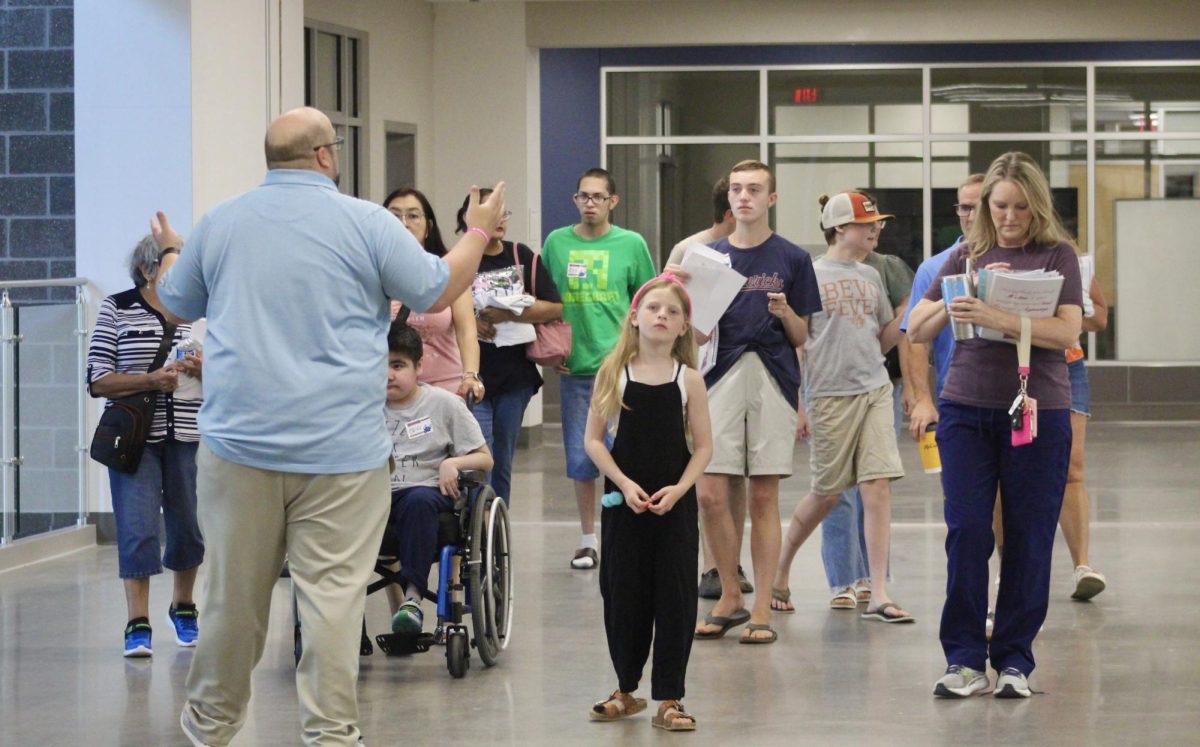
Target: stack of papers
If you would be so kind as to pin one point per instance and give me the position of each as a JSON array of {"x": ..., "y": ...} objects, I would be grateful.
[
  {"x": 1031, "y": 293},
  {"x": 713, "y": 285}
]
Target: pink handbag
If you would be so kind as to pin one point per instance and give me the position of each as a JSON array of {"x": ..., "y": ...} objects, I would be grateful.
[{"x": 553, "y": 343}]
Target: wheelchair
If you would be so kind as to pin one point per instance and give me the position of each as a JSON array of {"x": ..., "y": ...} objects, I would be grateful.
[{"x": 475, "y": 578}]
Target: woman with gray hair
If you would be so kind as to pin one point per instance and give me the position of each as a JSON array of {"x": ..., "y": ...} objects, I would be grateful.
[{"x": 129, "y": 332}]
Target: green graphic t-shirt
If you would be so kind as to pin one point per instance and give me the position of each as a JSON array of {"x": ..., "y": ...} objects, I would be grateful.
[{"x": 596, "y": 279}]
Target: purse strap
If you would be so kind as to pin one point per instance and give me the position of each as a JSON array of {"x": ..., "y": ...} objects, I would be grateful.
[
  {"x": 533, "y": 276},
  {"x": 160, "y": 356}
]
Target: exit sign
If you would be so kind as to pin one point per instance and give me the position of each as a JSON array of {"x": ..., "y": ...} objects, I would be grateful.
[{"x": 806, "y": 95}]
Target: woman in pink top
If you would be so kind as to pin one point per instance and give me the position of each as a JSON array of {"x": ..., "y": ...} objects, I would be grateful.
[{"x": 451, "y": 359}]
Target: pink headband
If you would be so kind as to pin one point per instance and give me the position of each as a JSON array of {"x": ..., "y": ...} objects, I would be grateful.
[{"x": 668, "y": 277}]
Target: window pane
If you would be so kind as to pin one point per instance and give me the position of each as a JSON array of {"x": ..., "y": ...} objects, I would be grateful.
[
  {"x": 328, "y": 72},
  {"x": 351, "y": 160},
  {"x": 806, "y": 171},
  {"x": 666, "y": 191},
  {"x": 683, "y": 103},
  {"x": 1147, "y": 99},
  {"x": 953, "y": 162},
  {"x": 1018, "y": 99},
  {"x": 352, "y": 77},
  {"x": 1143, "y": 172},
  {"x": 845, "y": 102},
  {"x": 46, "y": 435}
]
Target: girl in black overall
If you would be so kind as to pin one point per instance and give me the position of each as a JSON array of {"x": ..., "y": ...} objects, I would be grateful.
[{"x": 646, "y": 387}]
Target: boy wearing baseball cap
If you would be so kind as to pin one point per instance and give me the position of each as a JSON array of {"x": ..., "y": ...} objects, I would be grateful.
[{"x": 849, "y": 394}]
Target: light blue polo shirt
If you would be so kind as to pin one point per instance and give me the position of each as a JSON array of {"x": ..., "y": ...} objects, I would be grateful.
[
  {"x": 943, "y": 344},
  {"x": 294, "y": 279}
]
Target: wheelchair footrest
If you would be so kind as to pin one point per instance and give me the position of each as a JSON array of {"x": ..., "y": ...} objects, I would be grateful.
[{"x": 394, "y": 644}]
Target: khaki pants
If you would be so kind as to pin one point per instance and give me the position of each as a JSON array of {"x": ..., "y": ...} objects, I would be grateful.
[{"x": 330, "y": 526}]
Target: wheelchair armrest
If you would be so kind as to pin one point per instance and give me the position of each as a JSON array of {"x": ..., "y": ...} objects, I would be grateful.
[{"x": 472, "y": 476}]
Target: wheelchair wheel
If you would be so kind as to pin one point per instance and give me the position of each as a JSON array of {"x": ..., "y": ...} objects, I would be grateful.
[
  {"x": 457, "y": 654},
  {"x": 489, "y": 577}
]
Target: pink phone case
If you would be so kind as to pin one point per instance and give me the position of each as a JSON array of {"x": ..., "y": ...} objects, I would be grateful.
[{"x": 1025, "y": 435}]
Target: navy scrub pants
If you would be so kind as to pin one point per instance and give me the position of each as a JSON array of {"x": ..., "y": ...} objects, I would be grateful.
[{"x": 977, "y": 455}]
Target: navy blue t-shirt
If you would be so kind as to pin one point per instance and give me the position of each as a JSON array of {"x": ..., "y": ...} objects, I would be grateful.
[{"x": 774, "y": 266}]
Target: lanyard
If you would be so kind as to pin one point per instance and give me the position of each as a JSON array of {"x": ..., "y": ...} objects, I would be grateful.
[{"x": 1023, "y": 346}]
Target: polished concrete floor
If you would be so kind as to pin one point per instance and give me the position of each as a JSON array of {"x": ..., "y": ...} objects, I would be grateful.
[{"x": 1120, "y": 670}]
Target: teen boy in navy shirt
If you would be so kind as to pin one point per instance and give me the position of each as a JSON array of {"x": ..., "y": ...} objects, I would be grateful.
[{"x": 754, "y": 395}]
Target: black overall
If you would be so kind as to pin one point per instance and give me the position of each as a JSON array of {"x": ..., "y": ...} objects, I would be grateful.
[{"x": 648, "y": 562}]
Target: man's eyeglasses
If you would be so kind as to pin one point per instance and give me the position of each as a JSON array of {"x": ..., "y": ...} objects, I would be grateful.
[
  {"x": 335, "y": 145},
  {"x": 583, "y": 198},
  {"x": 963, "y": 209}
]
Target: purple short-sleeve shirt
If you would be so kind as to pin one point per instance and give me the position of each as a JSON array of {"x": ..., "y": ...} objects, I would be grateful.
[{"x": 983, "y": 373}]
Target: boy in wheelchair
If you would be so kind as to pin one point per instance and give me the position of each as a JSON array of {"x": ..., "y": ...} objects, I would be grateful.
[{"x": 434, "y": 437}]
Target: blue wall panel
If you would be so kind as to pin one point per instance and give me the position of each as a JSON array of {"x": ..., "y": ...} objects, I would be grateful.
[{"x": 570, "y": 125}]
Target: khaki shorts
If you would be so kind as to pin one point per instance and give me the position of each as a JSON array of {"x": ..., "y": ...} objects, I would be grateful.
[
  {"x": 853, "y": 440},
  {"x": 753, "y": 426}
]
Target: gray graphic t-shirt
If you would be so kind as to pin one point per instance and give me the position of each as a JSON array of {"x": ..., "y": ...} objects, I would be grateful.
[
  {"x": 434, "y": 426},
  {"x": 842, "y": 355}
]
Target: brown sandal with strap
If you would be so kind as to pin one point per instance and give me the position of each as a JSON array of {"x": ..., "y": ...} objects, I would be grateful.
[
  {"x": 619, "y": 705},
  {"x": 672, "y": 717}
]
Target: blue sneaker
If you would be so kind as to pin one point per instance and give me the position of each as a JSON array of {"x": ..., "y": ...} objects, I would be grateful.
[
  {"x": 408, "y": 620},
  {"x": 137, "y": 638},
  {"x": 183, "y": 617}
]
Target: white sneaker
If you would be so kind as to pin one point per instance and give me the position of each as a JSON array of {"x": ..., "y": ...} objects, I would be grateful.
[
  {"x": 1012, "y": 684},
  {"x": 1088, "y": 583},
  {"x": 960, "y": 682}
]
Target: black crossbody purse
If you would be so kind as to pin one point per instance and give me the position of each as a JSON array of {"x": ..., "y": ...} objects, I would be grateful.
[{"x": 124, "y": 425}]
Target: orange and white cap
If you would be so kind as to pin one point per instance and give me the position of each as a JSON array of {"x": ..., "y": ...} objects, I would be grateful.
[{"x": 850, "y": 207}]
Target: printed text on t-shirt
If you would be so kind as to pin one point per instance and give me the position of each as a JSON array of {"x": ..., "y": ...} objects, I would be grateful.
[
  {"x": 854, "y": 299},
  {"x": 771, "y": 283}
]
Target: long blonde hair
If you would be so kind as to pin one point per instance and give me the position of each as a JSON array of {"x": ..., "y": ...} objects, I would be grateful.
[
  {"x": 606, "y": 394},
  {"x": 1044, "y": 230}
]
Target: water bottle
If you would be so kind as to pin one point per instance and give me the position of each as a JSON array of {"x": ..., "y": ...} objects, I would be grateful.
[{"x": 189, "y": 386}]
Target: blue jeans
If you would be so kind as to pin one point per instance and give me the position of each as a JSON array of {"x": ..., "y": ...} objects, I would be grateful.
[
  {"x": 845, "y": 559},
  {"x": 843, "y": 544},
  {"x": 499, "y": 418},
  {"x": 576, "y": 399},
  {"x": 165, "y": 482},
  {"x": 977, "y": 454}
]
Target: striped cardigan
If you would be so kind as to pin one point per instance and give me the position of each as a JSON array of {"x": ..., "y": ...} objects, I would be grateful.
[{"x": 127, "y": 335}]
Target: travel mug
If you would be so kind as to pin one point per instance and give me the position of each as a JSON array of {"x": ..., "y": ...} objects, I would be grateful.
[{"x": 954, "y": 286}]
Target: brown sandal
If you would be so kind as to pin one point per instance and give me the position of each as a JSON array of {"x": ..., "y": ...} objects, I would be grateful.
[
  {"x": 672, "y": 717},
  {"x": 619, "y": 705}
]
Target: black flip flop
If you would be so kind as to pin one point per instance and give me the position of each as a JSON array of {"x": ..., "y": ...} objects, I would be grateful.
[{"x": 739, "y": 617}]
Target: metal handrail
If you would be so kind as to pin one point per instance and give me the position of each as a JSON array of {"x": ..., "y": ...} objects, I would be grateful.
[
  {"x": 9, "y": 460},
  {"x": 56, "y": 283}
]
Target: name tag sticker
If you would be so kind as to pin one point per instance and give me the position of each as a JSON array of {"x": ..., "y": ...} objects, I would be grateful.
[
  {"x": 576, "y": 270},
  {"x": 419, "y": 427}
]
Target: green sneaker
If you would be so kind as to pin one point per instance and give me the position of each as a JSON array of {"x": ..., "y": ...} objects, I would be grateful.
[{"x": 408, "y": 620}]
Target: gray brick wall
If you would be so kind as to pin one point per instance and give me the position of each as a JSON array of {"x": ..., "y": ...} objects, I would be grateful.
[{"x": 37, "y": 144}]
